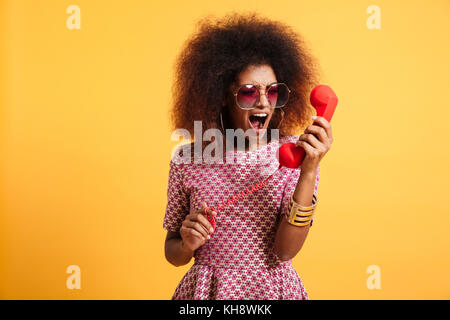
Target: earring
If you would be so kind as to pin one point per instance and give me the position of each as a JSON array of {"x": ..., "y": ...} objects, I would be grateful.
[
  {"x": 282, "y": 117},
  {"x": 221, "y": 122}
]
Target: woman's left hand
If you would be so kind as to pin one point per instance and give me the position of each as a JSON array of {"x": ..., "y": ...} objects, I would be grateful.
[{"x": 316, "y": 141}]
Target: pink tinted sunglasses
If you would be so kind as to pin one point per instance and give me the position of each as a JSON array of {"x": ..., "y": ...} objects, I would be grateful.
[{"x": 248, "y": 95}]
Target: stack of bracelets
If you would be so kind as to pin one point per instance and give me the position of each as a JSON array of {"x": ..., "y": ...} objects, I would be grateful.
[{"x": 298, "y": 215}]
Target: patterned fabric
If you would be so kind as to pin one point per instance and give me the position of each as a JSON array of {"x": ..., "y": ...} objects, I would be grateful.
[{"x": 238, "y": 261}]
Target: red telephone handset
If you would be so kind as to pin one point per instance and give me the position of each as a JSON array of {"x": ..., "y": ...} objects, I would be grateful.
[{"x": 324, "y": 100}]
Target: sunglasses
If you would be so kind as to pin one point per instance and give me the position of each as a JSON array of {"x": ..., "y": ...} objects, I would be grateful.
[{"x": 248, "y": 95}]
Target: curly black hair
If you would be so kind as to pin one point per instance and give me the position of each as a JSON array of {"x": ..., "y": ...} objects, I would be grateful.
[{"x": 211, "y": 59}]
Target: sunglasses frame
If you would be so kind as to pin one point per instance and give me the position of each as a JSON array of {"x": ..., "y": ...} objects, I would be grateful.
[{"x": 259, "y": 91}]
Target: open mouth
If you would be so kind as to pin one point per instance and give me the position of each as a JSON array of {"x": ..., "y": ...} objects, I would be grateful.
[{"x": 258, "y": 121}]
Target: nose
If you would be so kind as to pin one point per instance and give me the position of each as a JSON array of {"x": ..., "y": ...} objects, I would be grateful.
[{"x": 263, "y": 101}]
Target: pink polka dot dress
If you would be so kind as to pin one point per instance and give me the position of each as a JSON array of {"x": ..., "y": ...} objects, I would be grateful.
[{"x": 238, "y": 261}]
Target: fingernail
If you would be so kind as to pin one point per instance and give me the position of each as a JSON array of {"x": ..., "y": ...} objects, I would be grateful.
[
  {"x": 314, "y": 117},
  {"x": 209, "y": 237},
  {"x": 211, "y": 230}
]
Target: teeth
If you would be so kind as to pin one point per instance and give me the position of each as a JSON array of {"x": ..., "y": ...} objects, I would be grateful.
[{"x": 260, "y": 115}]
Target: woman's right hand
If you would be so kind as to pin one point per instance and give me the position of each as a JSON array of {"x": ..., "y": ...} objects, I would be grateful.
[{"x": 196, "y": 229}]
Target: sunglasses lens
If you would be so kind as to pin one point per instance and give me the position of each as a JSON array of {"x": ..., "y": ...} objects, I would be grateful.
[
  {"x": 247, "y": 96},
  {"x": 278, "y": 95}
]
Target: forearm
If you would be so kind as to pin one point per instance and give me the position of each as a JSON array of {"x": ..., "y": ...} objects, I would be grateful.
[
  {"x": 289, "y": 239},
  {"x": 176, "y": 253}
]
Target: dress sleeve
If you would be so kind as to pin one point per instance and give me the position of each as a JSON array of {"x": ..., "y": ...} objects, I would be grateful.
[
  {"x": 290, "y": 188},
  {"x": 177, "y": 198}
]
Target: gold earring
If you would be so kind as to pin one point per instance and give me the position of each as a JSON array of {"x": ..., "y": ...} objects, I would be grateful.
[
  {"x": 282, "y": 117},
  {"x": 221, "y": 122}
]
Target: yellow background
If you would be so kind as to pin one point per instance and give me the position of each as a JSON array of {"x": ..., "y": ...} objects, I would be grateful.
[{"x": 85, "y": 146}]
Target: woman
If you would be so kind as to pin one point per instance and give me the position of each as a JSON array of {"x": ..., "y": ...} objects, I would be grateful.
[{"x": 250, "y": 73}]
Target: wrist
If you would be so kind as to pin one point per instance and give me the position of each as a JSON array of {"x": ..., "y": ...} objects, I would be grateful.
[{"x": 308, "y": 174}]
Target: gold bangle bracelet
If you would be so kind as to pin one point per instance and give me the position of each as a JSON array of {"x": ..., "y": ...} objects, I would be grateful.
[
  {"x": 303, "y": 224},
  {"x": 299, "y": 207},
  {"x": 300, "y": 224},
  {"x": 302, "y": 208},
  {"x": 299, "y": 215},
  {"x": 301, "y": 219}
]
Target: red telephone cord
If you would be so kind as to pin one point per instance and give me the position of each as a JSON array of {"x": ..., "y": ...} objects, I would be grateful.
[{"x": 240, "y": 196}]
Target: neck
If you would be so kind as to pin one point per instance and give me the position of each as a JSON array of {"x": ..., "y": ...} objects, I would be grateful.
[{"x": 260, "y": 141}]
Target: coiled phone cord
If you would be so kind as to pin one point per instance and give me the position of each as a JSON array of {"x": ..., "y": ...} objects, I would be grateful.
[
  {"x": 231, "y": 200},
  {"x": 237, "y": 197}
]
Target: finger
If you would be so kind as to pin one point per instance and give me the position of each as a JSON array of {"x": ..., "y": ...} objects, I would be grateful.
[
  {"x": 309, "y": 150},
  {"x": 206, "y": 210},
  {"x": 190, "y": 232},
  {"x": 312, "y": 140},
  {"x": 197, "y": 226},
  {"x": 201, "y": 218},
  {"x": 197, "y": 234},
  {"x": 191, "y": 226},
  {"x": 211, "y": 211},
  {"x": 203, "y": 207},
  {"x": 319, "y": 132},
  {"x": 325, "y": 124},
  {"x": 194, "y": 217}
]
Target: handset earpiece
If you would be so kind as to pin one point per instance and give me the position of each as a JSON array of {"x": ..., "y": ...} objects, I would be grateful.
[{"x": 324, "y": 100}]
